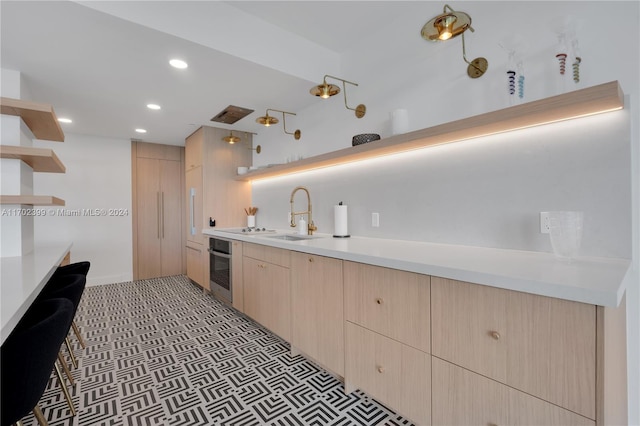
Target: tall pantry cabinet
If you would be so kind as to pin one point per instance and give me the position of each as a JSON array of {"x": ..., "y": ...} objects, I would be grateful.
[
  {"x": 158, "y": 184},
  {"x": 212, "y": 193}
]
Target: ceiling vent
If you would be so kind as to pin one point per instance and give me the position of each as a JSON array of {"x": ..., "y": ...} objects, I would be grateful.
[{"x": 231, "y": 114}]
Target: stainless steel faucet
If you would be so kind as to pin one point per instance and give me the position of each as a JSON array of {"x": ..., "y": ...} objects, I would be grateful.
[{"x": 310, "y": 225}]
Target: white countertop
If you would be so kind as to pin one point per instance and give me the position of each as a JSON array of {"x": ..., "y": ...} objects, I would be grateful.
[
  {"x": 598, "y": 281},
  {"x": 22, "y": 279}
]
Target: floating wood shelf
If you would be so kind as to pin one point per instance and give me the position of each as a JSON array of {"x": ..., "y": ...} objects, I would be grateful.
[
  {"x": 580, "y": 103},
  {"x": 32, "y": 200},
  {"x": 39, "y": 117},
  {"x": 40, "y": 159}
]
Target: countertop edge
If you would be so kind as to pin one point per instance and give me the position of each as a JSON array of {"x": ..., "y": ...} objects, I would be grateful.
[
  {"x": 597, "y": 281},
  {"x": 44, "y": 260}
]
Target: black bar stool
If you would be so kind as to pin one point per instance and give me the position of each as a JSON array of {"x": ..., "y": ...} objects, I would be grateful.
[
  {"x": 28, "y": 356},
  {"x": 69, "y": 286},
  {"x": 78, "y": 268}
]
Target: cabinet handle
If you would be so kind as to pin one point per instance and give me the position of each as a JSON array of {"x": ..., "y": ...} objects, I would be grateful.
[
  {"x": 162, "y": 199},
  {"x": 192, "y": 213},
  {"x": 495, "y": 335},
  {"x": 380, "y": 369},
  {"x": 158, "y": 212},
  {"x": 311, "y": 259},
  {"x": 379, "y": 301}
]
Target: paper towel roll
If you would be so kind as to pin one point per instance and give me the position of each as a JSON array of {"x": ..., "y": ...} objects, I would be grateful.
[{"x": 340, "y": 221}]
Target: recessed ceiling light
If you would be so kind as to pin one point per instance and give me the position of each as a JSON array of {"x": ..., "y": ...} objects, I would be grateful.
[
  {"x": 153, "y": 106},
  {"x": 141, "y": 131},
  {"x": 178, "y": 63},
  {"x": 64, "y": 120}
]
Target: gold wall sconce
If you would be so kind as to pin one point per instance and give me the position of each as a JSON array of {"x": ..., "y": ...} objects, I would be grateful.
[
  {"x": 231, "y": 139},
  {"x": 326, "y": 90},
  {"x": 267, "y": 120},
  {"x": 451, "y": 24}
]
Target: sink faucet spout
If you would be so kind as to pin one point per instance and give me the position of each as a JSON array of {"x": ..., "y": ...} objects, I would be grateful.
[{"x": 310, "y": 225}]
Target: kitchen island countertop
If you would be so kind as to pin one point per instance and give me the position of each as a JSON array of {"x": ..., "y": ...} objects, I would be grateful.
[{"x": 598, "y": 281}]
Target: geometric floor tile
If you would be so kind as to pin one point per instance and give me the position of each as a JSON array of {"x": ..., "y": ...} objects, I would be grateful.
[{"x": 162, "y": 352}]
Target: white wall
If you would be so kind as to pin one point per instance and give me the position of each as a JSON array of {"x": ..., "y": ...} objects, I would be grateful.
[
  {"x": 485, "y": 192},
  {"x": 98, "y": 176}
]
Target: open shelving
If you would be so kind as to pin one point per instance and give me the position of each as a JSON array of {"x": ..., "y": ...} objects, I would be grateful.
[
  {"x": 580, "y": 103},
  {"x": 43, "y": 123},
  {"x": 39, "y": 159},
  {"x": 32, "y": 200}
]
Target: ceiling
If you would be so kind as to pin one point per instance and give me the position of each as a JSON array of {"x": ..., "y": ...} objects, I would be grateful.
[{"x": 101, "y": 63}]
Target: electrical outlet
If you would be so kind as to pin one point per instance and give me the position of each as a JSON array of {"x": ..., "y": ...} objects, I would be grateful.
[
  {"x": 375, "y": 220},
  {"x": 544, "y": 222}
]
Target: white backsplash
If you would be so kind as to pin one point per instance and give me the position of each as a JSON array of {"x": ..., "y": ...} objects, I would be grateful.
[{"x": 483, "y": 192}]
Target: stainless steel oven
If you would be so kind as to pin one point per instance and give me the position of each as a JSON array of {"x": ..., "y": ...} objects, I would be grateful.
[{"x": 220, "y": 269}]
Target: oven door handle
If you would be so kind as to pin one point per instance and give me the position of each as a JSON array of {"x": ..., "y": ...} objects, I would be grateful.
[{"x": 219, "y": 253}]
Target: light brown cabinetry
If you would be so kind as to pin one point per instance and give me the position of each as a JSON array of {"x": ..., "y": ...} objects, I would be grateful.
[
  {"x": 267, "y": 290},
  {"x": 387, "y": 337},
  {"x": 237, "y": 280},
  {"x": 317, "y": 326},
  {"x": 391, "y": 302},
  {"x": 211, "y": 192},
  {"x": 157, "y": 190},
  {"x": 391, "y": 372},
  {"x": 543, "y": 346},
  {"x": 462, "y": 397}
]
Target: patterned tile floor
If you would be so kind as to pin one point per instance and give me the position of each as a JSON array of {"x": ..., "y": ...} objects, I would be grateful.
[{"x": 160, "y": 352}]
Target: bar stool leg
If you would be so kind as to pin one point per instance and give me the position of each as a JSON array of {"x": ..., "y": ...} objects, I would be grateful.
[
  {"x": 78, "y": 335},
  {"x": 65, "y": 367},
  {"x": 65, "y": 390},
  {"x": 71, "y": 355},
  {"x": 37, "y": 411}
]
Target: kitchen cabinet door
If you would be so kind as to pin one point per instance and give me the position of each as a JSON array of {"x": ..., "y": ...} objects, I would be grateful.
[
  {"x": 267, "y": 297},
  {"x": 462, "y": 397},
  {"x": 171, "y": 218},
  {"x": 317, "y": 327},
  {"x": 391, "y": 302},
  {"x": 237, "y": 279},
  {"x": 148, "y": 223},
  {"x": 393, "y": 373},
  {"x": 158, "y": 214},
  {"x": 543, "y": 346},
  {"x": 195, "y": 270},
  {"x": 470, "y": 326},
  {"x": 552, "y": 350}
]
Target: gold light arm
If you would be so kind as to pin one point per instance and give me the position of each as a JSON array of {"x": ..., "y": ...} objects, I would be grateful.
[
  {"x": 360, "y": 110},
  {"x": 273, "y": 120}
]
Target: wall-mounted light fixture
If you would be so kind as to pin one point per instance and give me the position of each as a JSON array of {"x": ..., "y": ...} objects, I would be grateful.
[
  {"x": 451, "y": 24},
  {"x": 267, "y": 120},
  {"x": 598, "y": 99},
  {"x": 231, "y": 138},
  {"x": 326, "y": 90},
  {"x": 257, "y": 149}
]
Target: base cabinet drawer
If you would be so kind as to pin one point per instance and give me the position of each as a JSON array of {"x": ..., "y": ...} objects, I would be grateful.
[
  {"x": 461, "y": 397},
  {"x": 267, "y": 295},
  {"x": 195, "y": 267},
  {"x": 393, "y": 303},
  {"x": 543, "y": 346},
  {"x": 393, "y": 373}
]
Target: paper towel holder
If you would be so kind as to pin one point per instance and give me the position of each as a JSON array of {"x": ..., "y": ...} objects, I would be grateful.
[{"x": 340, "y": 236}]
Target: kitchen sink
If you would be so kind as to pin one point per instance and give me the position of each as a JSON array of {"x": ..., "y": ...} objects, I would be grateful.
[{"x": 290, "y": 237}]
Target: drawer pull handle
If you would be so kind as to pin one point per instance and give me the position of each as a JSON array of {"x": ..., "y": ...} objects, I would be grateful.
[
  {"x": 379, "y": 301},
  {"x": 495, "y": 335},
  {"x": 311, "y": 259},
  {"x": 380, "y": 370}
]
